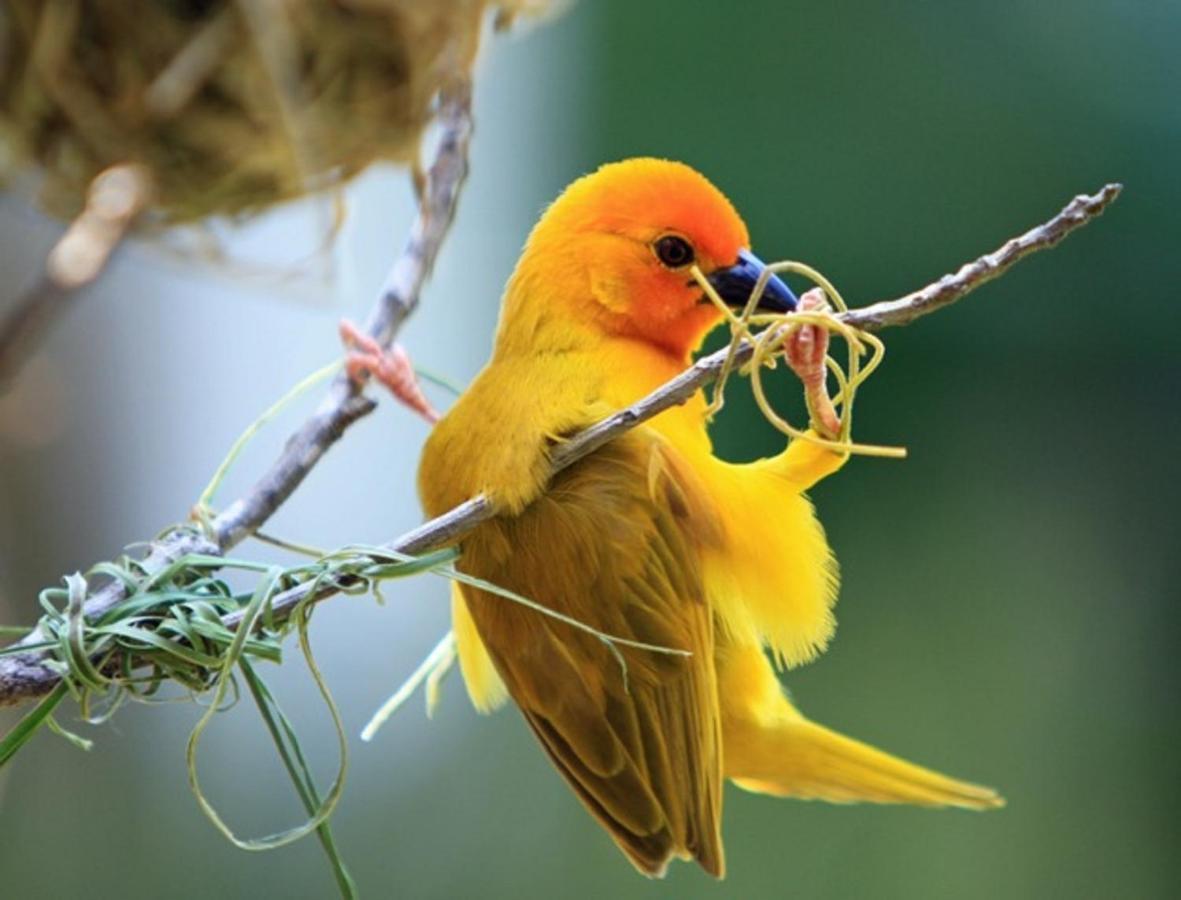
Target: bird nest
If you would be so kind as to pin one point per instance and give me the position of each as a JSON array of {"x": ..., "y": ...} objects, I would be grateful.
[{"x": 231, "y": 106}]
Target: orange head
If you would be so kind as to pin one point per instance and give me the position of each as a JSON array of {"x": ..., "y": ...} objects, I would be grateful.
[{"x": 614, "y": 252}]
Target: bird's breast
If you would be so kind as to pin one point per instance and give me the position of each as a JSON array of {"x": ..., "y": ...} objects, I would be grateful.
[{"x": 634, "y": 370}]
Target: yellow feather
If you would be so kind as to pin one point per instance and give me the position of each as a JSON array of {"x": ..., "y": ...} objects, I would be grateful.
[
  {"x": 772, "y": 749},
  {"x": 484, "y": 686}
]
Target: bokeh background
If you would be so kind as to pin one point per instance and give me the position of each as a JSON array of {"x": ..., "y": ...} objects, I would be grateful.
[{"x": 1009, "y": 608}]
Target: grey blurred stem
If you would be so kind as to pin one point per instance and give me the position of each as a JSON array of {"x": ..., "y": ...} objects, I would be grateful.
[
  {"x": 34, "y": 679},
  {"x": 26, "y": 676},
  {"x": 114, "y": 201}
]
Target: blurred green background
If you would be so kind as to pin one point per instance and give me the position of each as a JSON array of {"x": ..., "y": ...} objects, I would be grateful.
[{"x": 1008, "y": 611}]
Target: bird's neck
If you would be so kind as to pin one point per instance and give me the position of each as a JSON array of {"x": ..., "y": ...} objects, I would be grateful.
[
  {"x": 614, "y": 367},
  {"x": 633, "y": 369},
  {"x": 627, "y": 366}
]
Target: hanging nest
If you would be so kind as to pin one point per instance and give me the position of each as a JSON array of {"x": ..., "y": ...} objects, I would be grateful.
[{"x": 231, "y": 106}]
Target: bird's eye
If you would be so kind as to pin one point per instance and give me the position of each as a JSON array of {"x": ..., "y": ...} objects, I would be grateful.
[{"x": 673, "y": 251}]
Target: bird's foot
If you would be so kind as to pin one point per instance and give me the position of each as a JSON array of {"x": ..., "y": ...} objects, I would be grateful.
[
  {"x": 805, "y": 351},
  {"x": 365, "y": 358}
]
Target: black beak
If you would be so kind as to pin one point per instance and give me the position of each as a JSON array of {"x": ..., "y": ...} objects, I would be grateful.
[{"x": 735, "y": 284}]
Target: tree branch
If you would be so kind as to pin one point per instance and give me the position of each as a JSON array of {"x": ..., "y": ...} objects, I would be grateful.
[
  {"x": 20, "y": 680},
  {"x": 26, "y": 676},
  {"x": 948, "y": 289}
]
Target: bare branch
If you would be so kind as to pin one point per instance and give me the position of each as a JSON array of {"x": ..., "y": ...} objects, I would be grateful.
[
  {"x": 25, "y": 677},
  {"x": 948, "y": 289},
  {"x": 460, "y": 520}
]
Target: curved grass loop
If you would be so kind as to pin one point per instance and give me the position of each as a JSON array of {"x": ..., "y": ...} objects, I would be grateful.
[{"x": 768, "y": 342}]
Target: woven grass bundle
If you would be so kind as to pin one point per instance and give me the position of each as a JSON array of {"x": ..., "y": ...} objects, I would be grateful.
[{"x": 230, "y": 105}]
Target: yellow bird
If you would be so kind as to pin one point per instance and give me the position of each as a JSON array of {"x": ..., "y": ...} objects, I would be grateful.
[{"x": 652, "y": 537}]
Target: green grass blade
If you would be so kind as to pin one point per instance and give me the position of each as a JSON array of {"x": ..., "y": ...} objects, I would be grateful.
[
  {"x": 256, "y": 426},
  {"x": 233, "y": 657},
  {"x": 27, "y": 726},
  {"x": 15, "y": 649},
  {"x": 76, "y": 739},
  {"x": 290, "y": 751}
]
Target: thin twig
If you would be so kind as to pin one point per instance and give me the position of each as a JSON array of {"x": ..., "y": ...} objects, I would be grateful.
[
  {"x": 116, "y": 198},
  {"x": 25, "y": 676},
  {"x": 950, "y": 288}
]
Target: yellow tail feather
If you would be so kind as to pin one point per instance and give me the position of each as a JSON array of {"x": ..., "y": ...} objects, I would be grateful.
[{"x": 798, "y": 758}]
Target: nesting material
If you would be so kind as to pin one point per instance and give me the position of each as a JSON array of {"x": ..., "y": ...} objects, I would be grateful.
[
  {"x": 231, "y": 106},
  {"x": 769, "y": 342}
]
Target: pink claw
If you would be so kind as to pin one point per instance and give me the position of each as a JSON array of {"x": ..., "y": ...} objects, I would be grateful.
[
  {"x": 805, "y": 352},
  {"x": 366, "y": 358}
]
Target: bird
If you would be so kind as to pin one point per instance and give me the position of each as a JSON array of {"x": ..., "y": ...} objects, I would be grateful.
[{"x": 652, "y": 537}]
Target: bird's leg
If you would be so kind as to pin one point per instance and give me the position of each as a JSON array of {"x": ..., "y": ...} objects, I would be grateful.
[
  {"x": 805, "y": 351},
  {"x": 365, "y": 356}
]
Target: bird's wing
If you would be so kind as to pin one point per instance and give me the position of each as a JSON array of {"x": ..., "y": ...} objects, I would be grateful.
[{"x": 614, "y": 543}]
